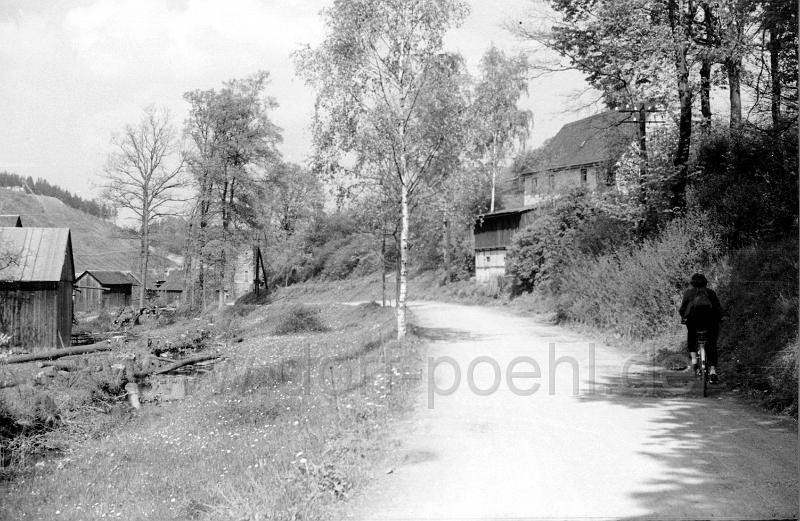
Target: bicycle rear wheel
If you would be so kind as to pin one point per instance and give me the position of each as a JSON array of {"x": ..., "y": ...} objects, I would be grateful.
[{"x": 704, "y": 372}]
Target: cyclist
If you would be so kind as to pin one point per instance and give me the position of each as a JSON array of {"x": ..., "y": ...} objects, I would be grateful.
[{"x": 701, "y": 310}]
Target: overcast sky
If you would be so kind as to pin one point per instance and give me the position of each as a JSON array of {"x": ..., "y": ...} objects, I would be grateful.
[{"x": 73, "y": 72}]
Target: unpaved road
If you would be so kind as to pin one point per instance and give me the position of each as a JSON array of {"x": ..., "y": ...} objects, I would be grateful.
[{"x": 613, "y": 451}]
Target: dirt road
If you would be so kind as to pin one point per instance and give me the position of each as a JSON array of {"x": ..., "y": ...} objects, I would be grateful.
[{"x": 619, "y": 449}]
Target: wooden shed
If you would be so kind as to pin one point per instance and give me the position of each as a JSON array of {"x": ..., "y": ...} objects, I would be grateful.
[
  {"x": 100, "y": 289},
  {"x": 168, "y": 289},
  {"x": 493, "y": 233},
  {"x": 36, "y": 279}
]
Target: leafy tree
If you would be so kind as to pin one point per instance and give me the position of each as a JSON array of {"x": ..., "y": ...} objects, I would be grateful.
[
  {"x": 234, "y": 147},
  {"x": 143, "y": 174},
  {"x": 383, "y": 80},
  {"x": 498, "y": 124}
]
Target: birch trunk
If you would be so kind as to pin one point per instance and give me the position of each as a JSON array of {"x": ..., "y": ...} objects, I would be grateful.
[{"x": 403, "y": 276}]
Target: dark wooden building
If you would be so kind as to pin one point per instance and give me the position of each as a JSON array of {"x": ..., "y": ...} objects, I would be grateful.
[
  {"x": 99, "y": 289},
  {"x": 167, "y": 289},
  {"x": 493, "y": 233},
  {"x": 36, "y": 279}
]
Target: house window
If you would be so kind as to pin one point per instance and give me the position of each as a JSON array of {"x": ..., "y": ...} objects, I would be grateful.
[
  {"x": 584, "y": 176},
  {"x": 551, "y": 179}
]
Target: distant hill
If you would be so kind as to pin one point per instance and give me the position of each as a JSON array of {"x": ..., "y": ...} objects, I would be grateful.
[
  {"x": 42, "y": 187},
  {"x": 96, "y": 243}
]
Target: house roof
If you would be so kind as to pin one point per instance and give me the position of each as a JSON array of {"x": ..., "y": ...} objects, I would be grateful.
[
  {"x": 508, "y": 211},
  {"x": 111, "y": 278},
  {"x": 35, "y": 254},
  {"x": 595, "y": 139},
  {"x": 10, "y": 221}
]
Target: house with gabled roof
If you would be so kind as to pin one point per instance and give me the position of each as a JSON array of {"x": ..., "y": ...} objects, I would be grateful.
[
  {"x": 36, "y": 279},
  {"x": 582, "y": 154}
]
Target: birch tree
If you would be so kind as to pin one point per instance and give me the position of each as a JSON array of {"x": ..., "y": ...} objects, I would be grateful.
[
  {"x": 382, "y": 77},
  {"x": 143, "y": 174},
  {"x": 498, "y": 123}
]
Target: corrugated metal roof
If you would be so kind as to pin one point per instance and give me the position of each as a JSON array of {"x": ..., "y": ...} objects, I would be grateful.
[
  {"x": 589, "y": 140},
  {"x": 111, "y": 278},
  {"x": 35, "y": 254},
  {"x": 11, "y": 221}
]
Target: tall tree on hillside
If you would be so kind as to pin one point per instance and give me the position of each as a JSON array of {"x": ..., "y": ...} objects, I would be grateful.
[
  {"x": 143, "y": 174},
  {"x": 498, "y": 123},
  {"x": 383, "y": 77},
  {"x": 234, "y": 148},
  {"x": 778, "y": 24}
]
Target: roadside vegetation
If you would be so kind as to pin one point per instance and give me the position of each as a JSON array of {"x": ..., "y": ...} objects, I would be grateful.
[
  {"x": 291, "y": 422},
  {"x": 608, "y": 262}
]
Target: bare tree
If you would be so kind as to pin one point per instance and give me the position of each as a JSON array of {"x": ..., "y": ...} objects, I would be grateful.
[{"x": 142, "y": 174}]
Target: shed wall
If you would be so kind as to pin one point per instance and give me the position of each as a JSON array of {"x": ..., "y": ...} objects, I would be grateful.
[{"x": 29, "y": 312}]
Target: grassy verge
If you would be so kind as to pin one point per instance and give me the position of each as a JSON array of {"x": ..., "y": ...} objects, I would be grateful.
[{"x": 288, "y": 427}]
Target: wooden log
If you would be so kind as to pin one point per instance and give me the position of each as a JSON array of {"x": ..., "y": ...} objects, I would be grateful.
[
  {"x": 66, "y": 366},
  {"x": 55, "y": 353},
  {"x": 178, "y": 364}
]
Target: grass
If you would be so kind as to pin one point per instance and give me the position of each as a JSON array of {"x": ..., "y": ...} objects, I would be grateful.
[{"x": 287, "y": 428}]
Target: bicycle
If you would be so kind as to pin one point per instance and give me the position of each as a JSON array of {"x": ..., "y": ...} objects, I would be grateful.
[{"x": 702, "y": 340}]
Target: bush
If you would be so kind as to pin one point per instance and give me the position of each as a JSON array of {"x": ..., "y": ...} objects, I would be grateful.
[
  {"x": 747, "y": 184},
  {"x": 579, "y": 225},
  {"x": 637, "y": 292},
  {"x": 300, "y": 319}
]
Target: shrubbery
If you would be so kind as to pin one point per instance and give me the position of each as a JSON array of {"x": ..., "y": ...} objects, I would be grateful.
[
  {"x": 578, "y": 225},
  {"x": 300, "y": 319},
  {"x": 620, "y": 260},
  {"x": 637, "y": 291}
]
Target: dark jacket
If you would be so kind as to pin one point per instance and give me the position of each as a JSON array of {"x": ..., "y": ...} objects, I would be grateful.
[{"x": 707, "y": 321}]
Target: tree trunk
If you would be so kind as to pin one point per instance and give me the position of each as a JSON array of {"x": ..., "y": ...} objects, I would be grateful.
[
  {"x": 401, "y": 299},
  {"x": 680, "y": 42},
  {"x": 775, "y": 76},
  {"x": 144, "y": 256},
  {"x": 705, "y": 94},
  {"x": 734, "y": 68},
  {"x": 383, "y": 269},
  {"x": 642, "y": 120},
  {"x": 494, "y": 171}
]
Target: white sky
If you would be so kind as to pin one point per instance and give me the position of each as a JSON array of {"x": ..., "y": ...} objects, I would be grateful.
[{"x": 73, "y": 72}]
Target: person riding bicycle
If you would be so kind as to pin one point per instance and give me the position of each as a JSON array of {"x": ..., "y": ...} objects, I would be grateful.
[{"x": 701, "y": 310}]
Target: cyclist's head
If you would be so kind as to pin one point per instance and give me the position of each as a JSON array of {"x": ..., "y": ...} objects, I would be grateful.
[{"x": 699, "y": 280}]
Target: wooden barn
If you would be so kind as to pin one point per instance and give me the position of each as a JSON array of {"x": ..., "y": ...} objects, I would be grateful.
[
  {"x": 99, "y": 289},
  {"x": 493, "y": 233},
  {"x": 36, "y": 279},
  {"x": 168, "y": 290}
]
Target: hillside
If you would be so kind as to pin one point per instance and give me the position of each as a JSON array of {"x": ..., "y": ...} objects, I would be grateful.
[{"x": 96, "y": 244}]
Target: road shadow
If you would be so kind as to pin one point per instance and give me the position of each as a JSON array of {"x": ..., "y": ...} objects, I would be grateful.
[
  {"x": 717, "y": 457},
  {"x": 446, "y": 334}
]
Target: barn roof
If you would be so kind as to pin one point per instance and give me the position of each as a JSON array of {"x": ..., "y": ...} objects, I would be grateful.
[
  {"x": 111, "y": 278},
  {"x": 33, "y": 254},
  {"x": 10, "y": 221},
  {"x": 589, "y": 140}
]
